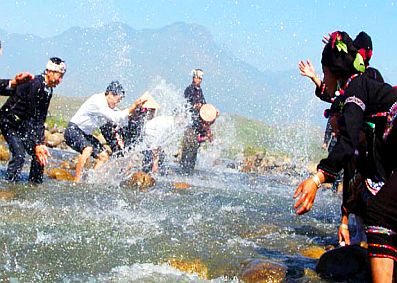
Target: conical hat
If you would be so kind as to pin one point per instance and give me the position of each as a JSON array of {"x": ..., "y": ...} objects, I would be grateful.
[
  {"x": 150, "y": 102},
  {"x": 208, "y": 112}
]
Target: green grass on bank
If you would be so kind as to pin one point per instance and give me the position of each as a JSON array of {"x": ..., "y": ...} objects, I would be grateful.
[{"x": 287, "y": 140}]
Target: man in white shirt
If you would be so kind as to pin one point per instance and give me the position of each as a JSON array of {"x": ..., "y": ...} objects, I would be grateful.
[{"x": 95, "y": 112}]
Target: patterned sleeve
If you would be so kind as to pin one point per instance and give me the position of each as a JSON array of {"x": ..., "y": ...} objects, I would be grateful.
[{"x": 350, "y": 125}]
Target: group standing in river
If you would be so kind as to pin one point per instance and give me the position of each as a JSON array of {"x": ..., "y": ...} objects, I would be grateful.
[
  {"x": 362, "y": 115},
  {"x": 23, "y": 116}
]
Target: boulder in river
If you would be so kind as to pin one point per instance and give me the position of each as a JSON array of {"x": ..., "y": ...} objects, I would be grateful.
[
  {"x": 263, "y": 271},
  {"x": 194, "y": 266},
  {"x": 349, "y": 263},
  {"x": 141, "y": 180},
  {"x": 181, "y": 185},
  {"x": 4, "y": 153},
  {"x": 60, "y": 174},
  {"x": 53, "y": 140},
  {"x": 314, "y": 252}
]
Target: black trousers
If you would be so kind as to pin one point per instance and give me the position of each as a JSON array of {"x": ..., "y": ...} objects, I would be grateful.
[
  {"x": 190, "y": 148},
  {"x": 18, "y": 137}
]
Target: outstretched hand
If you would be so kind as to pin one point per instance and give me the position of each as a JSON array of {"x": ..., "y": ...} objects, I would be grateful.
[
  {"x": 306, "y": 192},
  {"x": 326, "y": 38},
  {"x": 307, "y": 69},
  {"x": 42, "y": 154},
  {"x": 137, "y": 103}
]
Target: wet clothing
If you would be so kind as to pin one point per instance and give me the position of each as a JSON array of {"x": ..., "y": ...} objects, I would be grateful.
[
  {"x": 93, "y": 113},
  {"x": 364, "y": 97},
  {"x": 190, "y": 145},
  {"x": 381, "y": 221},
  {"x": 78, "y": 140},
  {"x": 5, "y": 90},
  {"x": 159, "y": 131},
  {"x": 322, "y": 92},
  {"x": 194, "y": 95},
  {"x": 365, "y": 109},
  {"x": 22, "y": 120},
  {"x": 120, "y": 137},
  {"x": 96, "y": 112}
]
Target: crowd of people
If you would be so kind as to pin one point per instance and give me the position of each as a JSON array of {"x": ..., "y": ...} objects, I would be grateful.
[
  {"x": 23, "y": 116},
  {"x": 361, "y": 127}
]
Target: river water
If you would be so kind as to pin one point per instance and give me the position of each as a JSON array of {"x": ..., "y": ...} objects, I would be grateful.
[{"x": 103, "y": 232}]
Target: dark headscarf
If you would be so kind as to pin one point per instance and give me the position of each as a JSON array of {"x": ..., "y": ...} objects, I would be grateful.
[
  {"x": 339, "y": 54},
  {"x": 363, "y": 43}
]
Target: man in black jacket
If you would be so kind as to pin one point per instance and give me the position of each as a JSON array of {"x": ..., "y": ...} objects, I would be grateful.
[
  {"x": 195, "y": 99},
  {"x": 22, "y": 120}
]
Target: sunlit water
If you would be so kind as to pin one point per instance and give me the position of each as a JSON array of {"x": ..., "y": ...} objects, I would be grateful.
[{"x": 96, "y": 232}]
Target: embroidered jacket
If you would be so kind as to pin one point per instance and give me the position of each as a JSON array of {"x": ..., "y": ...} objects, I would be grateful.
[{"x": 364, "y": 97}]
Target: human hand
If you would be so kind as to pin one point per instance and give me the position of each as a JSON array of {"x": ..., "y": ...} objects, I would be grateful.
[
  {"x": 21, "y": 78},
  {"x": 307, "y": 69},
  {"x": 343, "y": 235},
  {"x": 326, "y": 38},
  {"x": 209, "y": 136},
  {"x": 42, "y": 154},
  {"x": 197, "y": 106},
  {"x": 307, "y": 191},
  {"x": 137, "y": 103}
]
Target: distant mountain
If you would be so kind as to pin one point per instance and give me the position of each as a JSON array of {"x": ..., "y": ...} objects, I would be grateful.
[{"x": 140, "y": 58}]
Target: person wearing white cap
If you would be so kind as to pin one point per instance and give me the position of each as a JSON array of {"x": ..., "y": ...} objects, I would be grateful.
[
  {"x": 199, "y": 131},
  {"x": 95, "y": 112},
  {"x": 22, "y": 120}
]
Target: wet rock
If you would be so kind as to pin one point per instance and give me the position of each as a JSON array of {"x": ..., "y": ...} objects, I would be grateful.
[
  {"x": 247, "y": 165},
  {"x": 263, "y": 231},
  {"x": 263, "y": 271},
  {"x": 349, "y": 263},
  {"x": 141, "y": 180},
  {"x": 53, "y": 140},
  {"x": 66, "y": 165},
  {"x": 57, "y": 129},
  {"x": 6, "y": 195},
  {"x": 181, "y": 186},
  {"x": 60, "y": 174},
  {"x": 4, "y": 153},
  {"x": 227, "y": 163},
  {"x": 314, "y": 252},
  {"x": 310, "y": 275},
  {"x": 195, "y": 266}
]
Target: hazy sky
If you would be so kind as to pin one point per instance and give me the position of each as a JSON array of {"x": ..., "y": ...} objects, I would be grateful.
[{"x": 271, "y": 35}]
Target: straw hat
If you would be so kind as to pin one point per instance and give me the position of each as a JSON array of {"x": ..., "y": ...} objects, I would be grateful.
[
  {"x": 150, "y": 102},
  {"x": 208, "y": 112}
]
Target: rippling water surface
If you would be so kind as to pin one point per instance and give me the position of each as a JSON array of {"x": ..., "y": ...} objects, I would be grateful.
[{"x": 97, "y": 232}]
